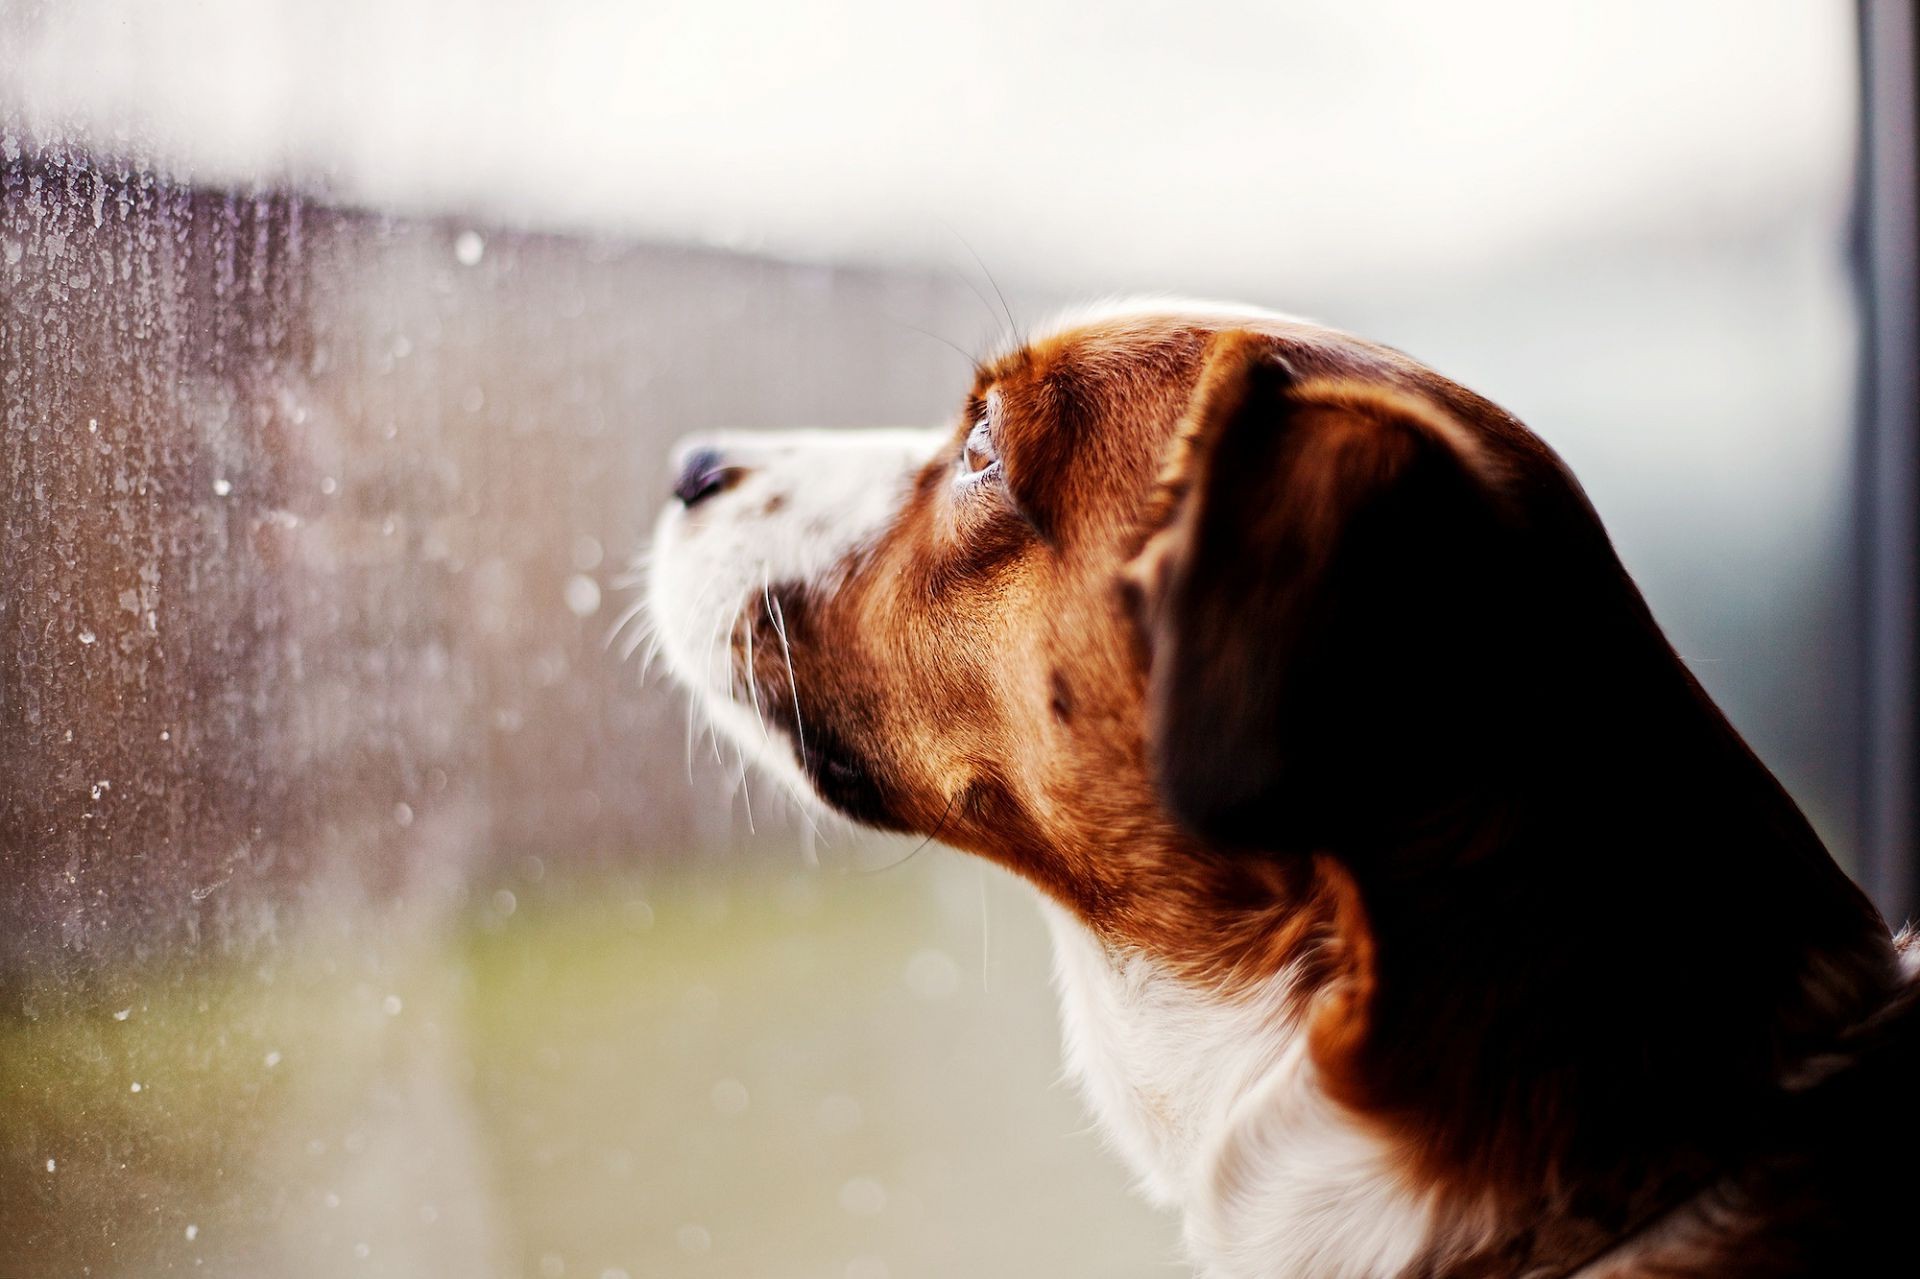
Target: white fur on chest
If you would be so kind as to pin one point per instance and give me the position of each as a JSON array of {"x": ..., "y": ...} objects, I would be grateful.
[{"x": 1215, "y": 1106}]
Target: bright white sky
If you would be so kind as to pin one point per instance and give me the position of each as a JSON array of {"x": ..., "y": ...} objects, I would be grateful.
[{"x": 1257, "y": 149}]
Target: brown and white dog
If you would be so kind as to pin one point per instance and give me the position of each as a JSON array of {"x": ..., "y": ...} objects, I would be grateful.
[{"x": 1416, "y": 913}]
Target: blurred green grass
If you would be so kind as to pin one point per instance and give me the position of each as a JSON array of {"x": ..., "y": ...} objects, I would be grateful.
[{"x": 729, "y": 1072}]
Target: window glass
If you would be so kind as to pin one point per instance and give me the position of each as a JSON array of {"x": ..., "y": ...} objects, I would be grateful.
[{"x": 363, "y": 907}]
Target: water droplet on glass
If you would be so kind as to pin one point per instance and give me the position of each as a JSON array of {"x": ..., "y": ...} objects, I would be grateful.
[
  {"x": 583, "y": 595},
  {"x": 87, "y": 637},
  {"x": 222, "y": 487},
  {"x": 93, "y": 426},
  {"x": 123, "y": 1014},
  {"x": 272, "y": 1059},
  {"x": 50, "y": 1165},
  {"x": 932, "y": 974},
  {"x": 468, "y": 248},
  {"x": 838, "y": 1113},
  {"x": 504, "y": 902},
  {"x": 135, "y": 1087},
  {"x": 403, "y": 814},
  {"x": 192, "y": 1232},
  {"x": 730, "y": 1096},
  {"x": 328, "y": 484},
  {"x": 391, "y": 1005},
  {"x": 863, "y": 1197}
]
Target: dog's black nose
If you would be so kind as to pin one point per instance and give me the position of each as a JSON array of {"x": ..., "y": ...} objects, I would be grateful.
[{"x": 701, "y": 476}]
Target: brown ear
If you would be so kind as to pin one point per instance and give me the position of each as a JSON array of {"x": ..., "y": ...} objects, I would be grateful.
[{"x": 1330, "y": 611}]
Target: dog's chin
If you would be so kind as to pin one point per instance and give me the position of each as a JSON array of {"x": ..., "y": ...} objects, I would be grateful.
[
  {"x": 693, "y": 619},
  {"x": 693, "y": 611}
]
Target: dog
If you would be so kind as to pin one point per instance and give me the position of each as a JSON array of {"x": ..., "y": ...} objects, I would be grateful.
[{"x": 1415, "y": 911}]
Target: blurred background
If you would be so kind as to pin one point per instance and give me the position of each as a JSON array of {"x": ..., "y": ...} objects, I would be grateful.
[{"x": 363, "y": 909}]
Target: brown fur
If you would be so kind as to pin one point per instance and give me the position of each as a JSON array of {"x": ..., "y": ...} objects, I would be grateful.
[{"x": 1277, "y": 646}]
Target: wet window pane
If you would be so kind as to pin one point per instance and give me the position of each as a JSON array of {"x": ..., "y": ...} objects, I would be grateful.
[{"x": 363, "y": 908}]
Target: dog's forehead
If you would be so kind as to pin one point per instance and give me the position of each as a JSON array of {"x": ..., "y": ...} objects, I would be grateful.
[{"x": 1117, "y": 329}]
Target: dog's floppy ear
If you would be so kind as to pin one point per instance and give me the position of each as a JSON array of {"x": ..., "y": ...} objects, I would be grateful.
[{"x": 1325, "y": 601}]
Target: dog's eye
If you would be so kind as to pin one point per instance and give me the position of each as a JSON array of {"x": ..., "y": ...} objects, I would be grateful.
[{"x": 978, "y": 456}]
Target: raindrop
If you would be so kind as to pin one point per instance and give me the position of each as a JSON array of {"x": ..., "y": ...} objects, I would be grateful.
[
  {"x": 504, "y": 902},
  {"x": 222, "y": 487},
  {"x": 136, "y": 1086},
  {"x": 730, "y": 1096},
  {"x": 272, "y": 1059},
  {"x": 50, "y": 1165},
  {"x": 87, "y": 637},
  {"x": 403, "y": 815},
  {"x": 838, "y": 1113},
  {"x": 192, "y": 1232},
  {"x": 468, "y": 248},
  {"x": 123, "y": 1014},
  {"x": 863, "y": 1197},
  {"x": 328, "y": 484},
  {"x": 583, "y": 595},
  {"x": 932, "y": 974}
]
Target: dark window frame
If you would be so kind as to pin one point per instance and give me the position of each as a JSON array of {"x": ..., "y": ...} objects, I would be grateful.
[{"x": 1887, "y": 251}]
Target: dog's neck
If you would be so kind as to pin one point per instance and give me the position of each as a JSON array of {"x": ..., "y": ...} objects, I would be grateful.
[
  {"x": 1212, "y": 1099},
  {"x": 1481, "y": 1099}
]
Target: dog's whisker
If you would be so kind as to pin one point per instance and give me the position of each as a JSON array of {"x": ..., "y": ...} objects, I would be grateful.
[
  {"x": 637, "y": 609},
  {"x": 985, "y": 931},
  {"x": 786, "y": 651},
  {"x": 746, "y": 788},
  {"x": 753, "y": 681},
  {"x": 917, "y": 848},
  {"x": 647, "y": 659},
  {"x": 690, "y": 710}
]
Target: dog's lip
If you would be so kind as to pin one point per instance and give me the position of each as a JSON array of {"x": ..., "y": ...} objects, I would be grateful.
[{"x": 845, "y": 781}]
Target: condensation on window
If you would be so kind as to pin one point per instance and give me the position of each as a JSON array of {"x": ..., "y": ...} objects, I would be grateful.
[
  {"x": 363, "y": 909},
  {"x": 362, "y": 906}
]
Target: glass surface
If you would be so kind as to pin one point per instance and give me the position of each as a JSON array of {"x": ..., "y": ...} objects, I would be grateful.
[{"x": 364, "y": 910}]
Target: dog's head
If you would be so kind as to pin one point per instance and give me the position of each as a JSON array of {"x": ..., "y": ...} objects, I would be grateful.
[
  {"x": 1261, "y": 649},
  {"x": 1174, "y": 585}
]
